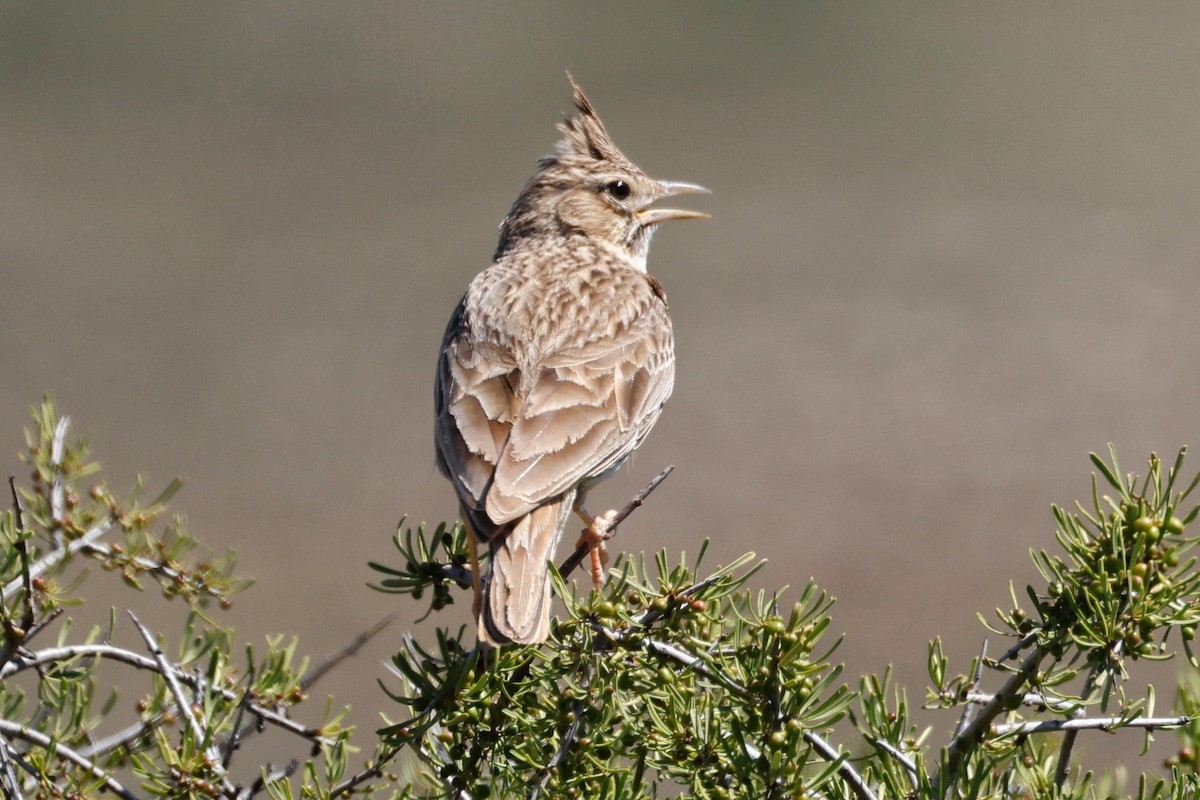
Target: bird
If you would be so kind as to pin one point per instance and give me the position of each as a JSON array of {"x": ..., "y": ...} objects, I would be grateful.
[{"x": 554, "y": 366}]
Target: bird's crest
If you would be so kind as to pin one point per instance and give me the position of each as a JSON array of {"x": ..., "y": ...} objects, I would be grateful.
[{"x": 584, "y": 137}]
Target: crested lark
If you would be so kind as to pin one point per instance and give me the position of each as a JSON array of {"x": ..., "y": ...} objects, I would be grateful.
[{"x": 555, "y": 364}]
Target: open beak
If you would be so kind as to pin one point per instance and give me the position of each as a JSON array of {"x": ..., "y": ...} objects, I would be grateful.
[{"x": 653, "y": 216}]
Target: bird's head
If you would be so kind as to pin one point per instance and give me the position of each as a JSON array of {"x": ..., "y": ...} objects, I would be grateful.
[{"x": 588, "y": 187}]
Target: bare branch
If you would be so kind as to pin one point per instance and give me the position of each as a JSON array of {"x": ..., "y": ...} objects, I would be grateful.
[
  {"x": 1022, "y": 643},
  {"x": 575, "y": 559},
  {"x": 22, "y": 549},
  {"x": 165, "y": 669},
  {"x": 1068, "y": 743},
  {"x": 371, "y": 772},
  {"x": 185, "y": 706},
  {"x": 58, "y": 504},
  {"x": 272, "y": 775},
  {"x": 61, "y": 555},
  {"x": 350, "y": 648},
  {"x": 235, "y": 738},
  {"x": 976, "y": 678},
  {"x": 970, "y": 736},
  {"x": 52, "y": 655},
  {"x": 15, "y": 731},
  {"x": 1030, "y": 699},
  {"x": 121, "y": 738},
  {"x": 568, "y": 741},
  {"x": 1092, "y": 724},
  {"x": 848, "y": 773},
  {"x": 8, "y": 780},
  {"x": 904, "y": 760}
]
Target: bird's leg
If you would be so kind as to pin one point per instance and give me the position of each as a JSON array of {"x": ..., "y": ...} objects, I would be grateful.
[
  {"x": 476, "y": 583},
  {"x": 594, "y": 536}
]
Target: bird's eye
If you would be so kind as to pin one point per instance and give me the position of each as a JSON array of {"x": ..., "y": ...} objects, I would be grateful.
[{"x": 618, "y": 189}]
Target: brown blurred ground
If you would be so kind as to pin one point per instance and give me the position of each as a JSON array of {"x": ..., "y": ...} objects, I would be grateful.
[{"x": 953, "y": 249}]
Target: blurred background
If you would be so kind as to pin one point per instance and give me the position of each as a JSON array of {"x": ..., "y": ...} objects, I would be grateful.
[{"x": 952, "y": 250}]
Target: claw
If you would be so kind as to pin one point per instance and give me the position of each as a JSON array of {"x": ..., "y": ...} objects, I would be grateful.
[{"x": 594, "y": 536}]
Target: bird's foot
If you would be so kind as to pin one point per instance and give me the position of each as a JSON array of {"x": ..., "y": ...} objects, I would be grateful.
[{"x": 598, "y": 531}]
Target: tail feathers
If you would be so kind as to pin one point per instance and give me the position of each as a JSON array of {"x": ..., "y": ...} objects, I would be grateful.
[{"x": 516, "y": 604}]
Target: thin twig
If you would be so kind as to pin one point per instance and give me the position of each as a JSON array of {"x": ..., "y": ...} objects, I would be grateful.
[
  {"x": 345, "y": 651},
  {"x": 575, "y": 559},
  {"x": 904, "y": 760},
  {"x": 1068, "y": 743},
  {"x": 1091, "y": 724},
  {"x": 24, "y": 733},
  {"x": 569, "y": 739},
  {"x": 22, "y": 549},
  {"x": 848, "y": 773},
  {"x": 58, "y": 490},
  {"x": 450, "y": 572},
  {"x": 14, "y": 632},
  {"x": 159, "y": 569},
  {"x": 306, "y": 682},
  {"x": 682, "y": 657},
  {"x": 272, "y": 775},
  {"x": 977, "y": 678},
  {"x": 371, "y": 772},
  {"x": 1035, "y": 700},
  {"x": 168, "y": 674},
  {"x": 122, "y": 738},
  {"x": 55, "y": 654},
  {"x": 375, "y": 770},
  {"x": 62, "y": 554},
  {"x": 652, "y": 615},
  {"x": 970, "y": 736},
  {"x": 1015, "y": 650},
  {"x": 41, "y": 625},
  {"x": 10, "y": 784},
  {"x": 235, "y": 737},
  {"x": 185, "y": 706}
]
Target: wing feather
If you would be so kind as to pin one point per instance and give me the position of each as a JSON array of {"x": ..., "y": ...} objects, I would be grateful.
[{"x": 513, "y": 437}]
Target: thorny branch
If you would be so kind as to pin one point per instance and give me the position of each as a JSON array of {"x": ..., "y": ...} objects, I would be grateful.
[
  {"x": 1068, "y": 743},
  {"x": 176, "y": 679},
  {"x": 977, "y": 722},
  {"x": 1031, "y": 699},
  {"x": 341, "y": 654},
  {"x": 1091, "y": 724},
  {"x": 65, "y": 653},
  {"x": 58, "y": 489},
  {"x": 568, "y": 741},
  {"x": 576, "y": 558},
  {"x": 185, "y": 706},
  {"x": 905, "y": 761},
  {"x": 969, "y": 710},
  {"x": 693, "y": 662},
  {"x": 15, "y": 633},
  {"x": 23, "y": 551},
  {"x": 373, "y": 771},
  {"x": 8, "y": 778},
  {"x": 63, "y": 554},
  {"x": 24, "y": 733},
  {"x": 969, "y": 737}
]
